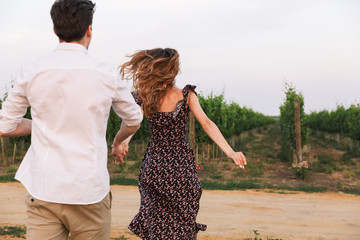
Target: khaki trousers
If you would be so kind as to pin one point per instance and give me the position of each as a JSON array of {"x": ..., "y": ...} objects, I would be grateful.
[{"x": 54, "y": 221}]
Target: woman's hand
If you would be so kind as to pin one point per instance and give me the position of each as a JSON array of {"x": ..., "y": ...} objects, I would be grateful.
[
  {"x": 120, "y": 151},
  {"x": 238, "y": 158}
]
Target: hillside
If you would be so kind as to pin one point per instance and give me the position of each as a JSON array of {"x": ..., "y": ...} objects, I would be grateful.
[{"x": 332, "y": 167}]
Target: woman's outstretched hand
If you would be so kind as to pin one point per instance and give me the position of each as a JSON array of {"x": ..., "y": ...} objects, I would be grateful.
[
  {"x": 238, "y": 158},
  {"x": 120, "y": 151}
]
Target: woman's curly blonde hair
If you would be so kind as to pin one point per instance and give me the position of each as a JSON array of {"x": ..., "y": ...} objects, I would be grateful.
[{"x": 152, "y": 72}]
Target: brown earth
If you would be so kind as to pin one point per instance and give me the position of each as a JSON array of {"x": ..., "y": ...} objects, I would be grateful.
[{"x": 230, "y": 214}]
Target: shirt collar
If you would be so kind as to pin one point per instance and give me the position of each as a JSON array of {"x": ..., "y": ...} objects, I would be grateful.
[{"x": 71, "y": 47}]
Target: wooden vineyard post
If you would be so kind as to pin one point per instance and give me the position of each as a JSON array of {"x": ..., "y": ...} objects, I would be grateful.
[
  {"x": 338, "y": 138},
  {"x": 233, "y": 141},
  {"x": 14, "y": 153},
  {"x": 298, "y": 153},
  {"x": 196, "y": 152},
  {"x": 192, "y": 132},
  {"x": 4, "y": 150},
  {"x": 213, "y": 150},
  {"x": 208, "y": 152}
]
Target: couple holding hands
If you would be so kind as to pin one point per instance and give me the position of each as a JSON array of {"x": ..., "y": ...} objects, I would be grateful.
[{"x": 65, "y": 168}]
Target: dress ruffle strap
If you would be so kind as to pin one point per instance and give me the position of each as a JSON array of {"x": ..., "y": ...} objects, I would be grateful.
[
  {"x": 186, "y": 91},
  {"x": 137, "y": 99}
]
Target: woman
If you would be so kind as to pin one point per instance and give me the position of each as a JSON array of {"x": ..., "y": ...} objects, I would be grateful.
[{"x": 168, "y": 183}]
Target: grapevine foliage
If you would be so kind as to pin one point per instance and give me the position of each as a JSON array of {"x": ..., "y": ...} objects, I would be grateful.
[
  {"x": 345, "y": 121},
  {"x": 287, "y": 117},
  {"x": 231, "y": 119}
]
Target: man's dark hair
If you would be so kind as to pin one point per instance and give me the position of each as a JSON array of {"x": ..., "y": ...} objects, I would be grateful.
[{"x": 71, "y": 18}]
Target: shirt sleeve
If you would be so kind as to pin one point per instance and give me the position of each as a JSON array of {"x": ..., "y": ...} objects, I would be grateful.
[
  {"x": 14, "y": 107},
  {"x": 124, "y": 104}
]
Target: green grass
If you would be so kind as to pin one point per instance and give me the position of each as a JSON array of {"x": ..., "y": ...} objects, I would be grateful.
[
  {"x": 124, "y": 181},
  {"x": 285, "y": 154},
  {"x": 136, "y": 166},
  {"x": 257, "y": 237},
  {"x": 355, "y": 191},
  {"x": 217, "y": 175},
  {"x": 14, "y": 231},
  {"x": 213, "y": 172},
  {"x": 269, "y": 155},
  {"x": 257, "y": 148},
  {"x": 279, "y": 192},
  {"x": 324, "y": 164},
  {"x": 237, "y": 185},
  {"x": 300, "y": 172},
  {"x": 239, "y": 173},
  {"x": 300, "y": 187},
  {"x": 20, "y": 232},
  {"x": 309, "y": 188},
  {"x": 346, "y": 158},
  {"x": 120, "y": 168},
  {"x": 231, "y": 185},
  {"x": 271, "y": 161},
  {"x": 255, "y": 168},
  {"x": 10, "y": 169},
  {"x": 212, "y": 185},
  {"x": 8, "y": 178},
  {"x": 252, "y": 169}
]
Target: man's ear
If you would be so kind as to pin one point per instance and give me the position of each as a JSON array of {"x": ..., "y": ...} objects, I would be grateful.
[{"x": 89, "y": 31}]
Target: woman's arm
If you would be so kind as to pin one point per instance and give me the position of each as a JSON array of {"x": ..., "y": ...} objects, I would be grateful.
[
  {"x": 213, "y": 131},
  {"x": 120, "y": 146},
  {"x": 22, "y": 129}
]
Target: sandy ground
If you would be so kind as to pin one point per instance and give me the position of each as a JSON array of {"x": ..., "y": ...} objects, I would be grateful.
[{"x": 231, "y": 214}]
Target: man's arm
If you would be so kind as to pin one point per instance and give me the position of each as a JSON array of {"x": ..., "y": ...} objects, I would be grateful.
[
  {"x": 120, "y": 145},
  {"x": 14, "y": 108},
  {"x": 124, "y": 104},
  {"x": 22, "y": 129},
  {"x": 125, "y": 107}
]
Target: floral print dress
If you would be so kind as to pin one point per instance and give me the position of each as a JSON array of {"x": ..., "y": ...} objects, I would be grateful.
[{"x": 168, "y": 183}]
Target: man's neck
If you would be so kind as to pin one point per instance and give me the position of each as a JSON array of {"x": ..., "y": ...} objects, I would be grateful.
[{"x": 81, "y": 42}]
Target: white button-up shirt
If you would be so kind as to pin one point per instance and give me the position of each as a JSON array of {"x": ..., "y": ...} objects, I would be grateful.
[{"x": 70, "y": 94}]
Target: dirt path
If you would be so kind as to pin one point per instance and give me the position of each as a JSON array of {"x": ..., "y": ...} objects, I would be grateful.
[{"x": 231, "y": 214}]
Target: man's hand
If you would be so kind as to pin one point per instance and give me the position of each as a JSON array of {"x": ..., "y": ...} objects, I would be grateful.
[{"x": 120, "y": 150}]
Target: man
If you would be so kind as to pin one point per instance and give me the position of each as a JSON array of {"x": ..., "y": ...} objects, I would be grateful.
[{"x": 70, "y": 94}]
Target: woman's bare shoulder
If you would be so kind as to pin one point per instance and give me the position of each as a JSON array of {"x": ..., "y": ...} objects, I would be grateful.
[{"x": 172, "y": 97}]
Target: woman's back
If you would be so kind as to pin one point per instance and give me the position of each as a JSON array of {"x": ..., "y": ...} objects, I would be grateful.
[
  {"x": 172, "y": 96},
  {"x": 170, "y": 124}
]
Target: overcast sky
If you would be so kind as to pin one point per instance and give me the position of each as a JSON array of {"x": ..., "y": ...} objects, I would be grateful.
[{"x": 244, "y": 48}]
